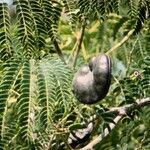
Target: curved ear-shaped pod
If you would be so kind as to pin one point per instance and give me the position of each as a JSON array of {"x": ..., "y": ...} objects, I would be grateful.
[
  {"x": 91, "y": 83},
  {"x": 83, "y": 86},
  {"x": 102, "y": 75}
]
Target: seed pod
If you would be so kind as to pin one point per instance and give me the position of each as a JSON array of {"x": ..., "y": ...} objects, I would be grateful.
[
  {"x": 102, "y": 75},
  {"x": 83, "y": 86},
  {"x": 91, "y": 83}
]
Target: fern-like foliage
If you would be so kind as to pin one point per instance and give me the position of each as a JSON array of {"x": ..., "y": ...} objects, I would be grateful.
[
  {"x": 54, "y": 94},
  {"x": 12, "y": 70},
  {"x": 136, "y": 11},
  {"x": 25, "y": 26},
  {"x": 35, "y": 22},
  {"x": 139, "y": 12},
  {"x": 52, "y": 12},
  {"x": 136, "y": 85},
  {"x": 145, "y": 82},
  {"x": 83, "y": 10},
  {"x": 38, "y": 24},
  {"x": 24, "y": 102},
  {"x": 38, "y": 21},
  {"x": 133, "y": 8},
  {"x": 5, "y": 40},
  {"x": 147, "y": 38},
  {"x": 54, "y": 97},
  {"x": 70, "y": 8},
  {"x": 38, "y": 95}
]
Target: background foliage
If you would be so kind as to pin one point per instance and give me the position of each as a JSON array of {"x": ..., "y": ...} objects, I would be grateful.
[{"x": 43, "y": 43}]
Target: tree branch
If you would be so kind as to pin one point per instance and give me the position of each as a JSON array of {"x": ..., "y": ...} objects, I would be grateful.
[
  {"x": 105, "y": 133},
  {"x": 79, "y": 39},
  {"x": 121, "y": 42},
  {"x": 59, "y": 52},
  {"x": 120, "y": 112},
  {"x": 130, "y": 107}
]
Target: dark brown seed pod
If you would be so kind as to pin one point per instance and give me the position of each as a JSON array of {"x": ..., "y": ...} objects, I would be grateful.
[
  {"x": 102, "y": 75},
  {"x": 91, "y": 83},
  {"x": 83, "y": 85}
]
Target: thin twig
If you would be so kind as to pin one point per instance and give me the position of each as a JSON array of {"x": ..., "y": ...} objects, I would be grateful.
[
  {"x": 59, "y": 52},
  {"x": 79, "y": 39},
  {"x": 72, "y": 52},
  {"x": 121, "y": 42},
  {"x": 130, "y": 56},
  {"x": 120, "y": 112}
]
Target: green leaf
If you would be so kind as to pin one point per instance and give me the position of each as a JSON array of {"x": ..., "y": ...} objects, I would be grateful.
[{"x": 76, "y": 126}]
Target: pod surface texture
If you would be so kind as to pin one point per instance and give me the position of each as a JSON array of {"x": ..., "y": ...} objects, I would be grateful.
[{"x": 91, "y": 82}]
